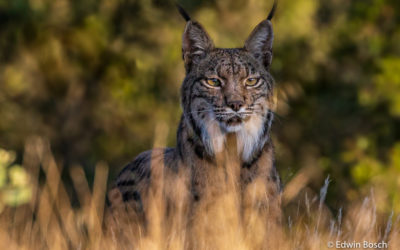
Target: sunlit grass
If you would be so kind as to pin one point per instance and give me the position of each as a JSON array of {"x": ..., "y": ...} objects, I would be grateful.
[{"x": 49, "y": 221}]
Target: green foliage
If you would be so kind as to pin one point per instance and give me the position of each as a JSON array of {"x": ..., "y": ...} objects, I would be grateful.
[
  {"x": 14, "y": 181},
  {"x": 96, "y": 77},
  {"x": 383, "y": 175},
  {"x": 387, "y": 83}
]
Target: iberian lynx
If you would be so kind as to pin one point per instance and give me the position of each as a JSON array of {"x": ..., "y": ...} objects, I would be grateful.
[{"x": 224, "y": 157}]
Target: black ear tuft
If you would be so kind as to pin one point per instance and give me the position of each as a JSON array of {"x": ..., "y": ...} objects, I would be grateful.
[
  {"x": 260, "y": 41},
  {"x": 272, "y": 12},
  {"x": 183, "y": 13}
]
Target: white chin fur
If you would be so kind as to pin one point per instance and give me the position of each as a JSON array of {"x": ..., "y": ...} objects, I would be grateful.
[
  {"x": 247, "y": 133},
  {"x": 233, "y": 128}
]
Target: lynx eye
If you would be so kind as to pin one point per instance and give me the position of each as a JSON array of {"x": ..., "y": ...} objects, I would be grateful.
[
  {"x": 213, "y": 82},
  {"x": 251, "y": 82}
]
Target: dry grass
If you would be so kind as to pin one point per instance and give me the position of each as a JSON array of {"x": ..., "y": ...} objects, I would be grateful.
[{"x": 50, "y": 222}]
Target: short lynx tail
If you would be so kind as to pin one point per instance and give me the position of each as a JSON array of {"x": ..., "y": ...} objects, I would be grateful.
[
  {"x": 183, "y": 13},
  {"x": 272, "y": 12}
]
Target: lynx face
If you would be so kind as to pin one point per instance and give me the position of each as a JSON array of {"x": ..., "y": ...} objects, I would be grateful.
[
  {"x": 236, "y": 89},
  {"x": 228, "y": 90}
]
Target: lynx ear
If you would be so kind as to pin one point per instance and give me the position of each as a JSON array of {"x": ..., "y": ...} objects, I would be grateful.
[
  {"x": 259, "y": 43},
  {"x": 195, "y": 41}
]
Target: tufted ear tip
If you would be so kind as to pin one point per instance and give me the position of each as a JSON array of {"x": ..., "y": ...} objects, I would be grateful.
[
  {"x": 272, "y": 12},
  {"x": 260, "y": 41},
  {"x": 183, "y": 13}
]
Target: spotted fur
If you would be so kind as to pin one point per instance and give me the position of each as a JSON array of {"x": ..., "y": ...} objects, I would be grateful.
[{"x": 221, "y": 124}]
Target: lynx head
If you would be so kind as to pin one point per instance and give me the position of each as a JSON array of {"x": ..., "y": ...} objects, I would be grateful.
[{"x": 228, "y": 90}]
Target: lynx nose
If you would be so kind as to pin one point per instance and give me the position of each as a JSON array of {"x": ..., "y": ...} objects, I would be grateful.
[{"x": 236, "y": 105}]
